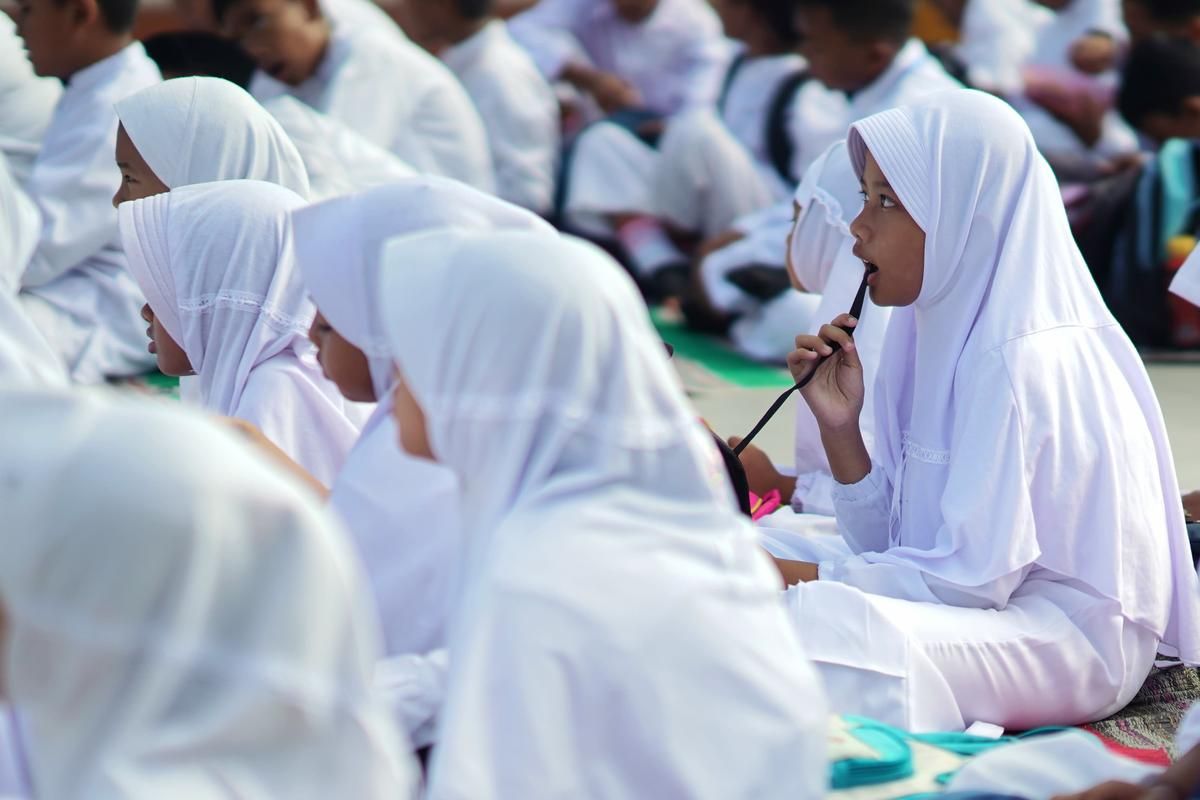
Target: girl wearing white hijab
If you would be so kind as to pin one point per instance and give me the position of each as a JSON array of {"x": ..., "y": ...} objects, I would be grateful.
[
  {"x": 1019, "y": 523},
  {"x": 199, "y": 130},
  {"x": 224, "y": 303},
  {"x": 189, "y": 625},
  {"x": 400, "y": 511},
  {"x": 26, "y": 358},
  {"x": 620, "y": 633}
]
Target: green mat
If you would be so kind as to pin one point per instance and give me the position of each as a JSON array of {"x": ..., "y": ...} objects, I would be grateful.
[{"x": 718, "y": 357}]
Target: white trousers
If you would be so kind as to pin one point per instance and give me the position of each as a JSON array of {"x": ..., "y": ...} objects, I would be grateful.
[
  {"x": 1054, "y": 656},
  {"x": 700, "y": 179}
]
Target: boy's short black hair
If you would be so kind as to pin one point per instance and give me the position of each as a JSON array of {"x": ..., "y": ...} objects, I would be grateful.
[
  {"x": 1161, "y": 73},
  {"x": 1171, "y": 10},
  {"x": 197, "y": 53},
  {"x": 476, "y": 9},
  {"x": 221, "y": 8},
  {"x": 118, "y": 15},
  {"x": 781, "y": 15},
  {"x": 869, "y": 19}
]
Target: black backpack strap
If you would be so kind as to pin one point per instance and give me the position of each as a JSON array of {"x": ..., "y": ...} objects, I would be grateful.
[
  {"x": 780, "y": 147},
  {"x": 731, "y": 74}
]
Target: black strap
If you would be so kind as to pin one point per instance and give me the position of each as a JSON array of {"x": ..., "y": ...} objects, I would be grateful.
[
  {"x": 731, "y": 74},
  {"x": 780, "y": 147},
  {"x": 856, "y": 312}
]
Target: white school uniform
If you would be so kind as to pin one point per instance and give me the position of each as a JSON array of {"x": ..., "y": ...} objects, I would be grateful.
[
  {"x": 400, "y": 511},
  {"x": 189, "y": 625},
  {"x": 998, "y": 39},
  {"x": 216, "y": 265},
  {"x": 675, "y": 58},
  {"x": 583, "y": 469},
  {"x": 519, "y": 110},
  {"x": 400, "y": 98},
  {"x": 26, "y": 103},
  {"x": 1017, "y": 554},
  {"x": 26, "y": 358},
  {"x": 76, "y": 287},
  {"x": 338, "y": 161},
  {"x": 711, "y": 166}
]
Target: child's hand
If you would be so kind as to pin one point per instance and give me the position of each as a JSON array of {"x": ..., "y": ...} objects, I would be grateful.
[
  {"x": 761, "y": 472},
  {"x": 1191, "y": 506},
  {"x": 1094, "y": 53},
  {"x": 836, "y": 394},
  {"x": 614, "y": 94}
]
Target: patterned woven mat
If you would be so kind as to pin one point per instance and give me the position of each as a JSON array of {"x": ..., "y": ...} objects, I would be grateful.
[{"x": 1147, "y": 725}]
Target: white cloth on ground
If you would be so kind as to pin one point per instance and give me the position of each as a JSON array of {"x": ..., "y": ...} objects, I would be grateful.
[
  {"x": 399, "y": 97},
  {"x": 401, "y": 511},
  {"x": 215, "y": 261},
  {"x": 674, "y": 59},
  {"x": 26, "y": 103},
  {"x": 519, "y": 110},
  {"x": 582, "y": 466},
  {"x": 979, "y": 440},
  {"x": 77, "y": 290},
  {"x": 189, "y": 625},
  {"x": 200, "y": 130},
  {"x": 26, "y": 358}
]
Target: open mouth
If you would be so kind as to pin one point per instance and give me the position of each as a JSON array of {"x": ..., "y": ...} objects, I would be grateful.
[{"x": 872, "y": 272}]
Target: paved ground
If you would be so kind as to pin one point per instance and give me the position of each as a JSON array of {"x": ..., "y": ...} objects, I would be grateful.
[{"x": 733, "y": 411}]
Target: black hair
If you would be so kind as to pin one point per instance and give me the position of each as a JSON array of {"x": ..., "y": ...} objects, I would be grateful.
[
  {"x": 1171, "y": 10},
  {"x": 476, "y": 9},
  {"x": 1161, "y": 73},
  {"x": 869, "y": 19},
  {"x": 191, "y": 53},
  {"x": 781, "y": 16},
  {"x": 118, "y": 14}
]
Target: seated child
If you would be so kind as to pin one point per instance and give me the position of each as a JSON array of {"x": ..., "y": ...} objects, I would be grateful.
[
  {"x": 375, "y": 81},
  {"x": 224, "y": 303},
  {"x": 1018, "y": 524},
  {"x": 26, "y": 103},
  {"x": 189, "y": 624},
  {"x": 820, "y": 260},
  {"x": 518, "y": 106},
  {"x": 399, "y": 510},
  {"x": 661, "y": 56},
  {"x": 582, "y": 468},
  {"x": 25, "y": 357},
  {"x": 76, "y": 288}
]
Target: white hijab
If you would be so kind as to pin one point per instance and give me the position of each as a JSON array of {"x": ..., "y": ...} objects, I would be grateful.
[
  {"x": 215, "y": 264},
  {"x": 200, "y": 130},
  {"x": 401, "y": 511},
  {"x": 1186, "y": 283},
  {"x": 1014, "y": 416},
  {"x": 189, "y": 624},
  {"x": 549, "y": 394},
  {"x": 821, "y": 255},
  {"x": 25, "y": 356}
]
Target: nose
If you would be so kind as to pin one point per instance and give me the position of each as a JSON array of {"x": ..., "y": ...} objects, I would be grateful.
[
  {"x": 116, "y": 201},
  {"x": 858, "y": 228}
]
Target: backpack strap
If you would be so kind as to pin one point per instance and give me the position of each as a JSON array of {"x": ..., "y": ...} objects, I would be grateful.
[
  {"x": 781, "y": 150},
  {"x": 731, "y": 74}
]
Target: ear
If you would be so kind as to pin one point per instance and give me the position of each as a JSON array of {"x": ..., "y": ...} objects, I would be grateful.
[
  {"x": 83, "y": 13},
  {"x": 312, "y": 9},
  {"x": 1189, "y": 110}
]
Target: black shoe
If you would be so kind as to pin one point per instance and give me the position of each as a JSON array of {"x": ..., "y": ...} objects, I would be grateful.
[{"x": 666, "y": 283}]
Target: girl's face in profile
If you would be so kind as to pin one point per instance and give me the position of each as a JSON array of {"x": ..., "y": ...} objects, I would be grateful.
[
  {"x": 171, "y": 358},
  {"x": 342, "y": 362},
  {"x": 410, "y": 419},
  {"x": 890, "y": 240}
]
